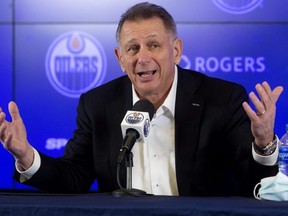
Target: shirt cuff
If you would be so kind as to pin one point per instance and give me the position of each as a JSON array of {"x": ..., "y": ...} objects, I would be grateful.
[
  {"x": 269, "y": 160},
  {"x": 27, "y": 174}
]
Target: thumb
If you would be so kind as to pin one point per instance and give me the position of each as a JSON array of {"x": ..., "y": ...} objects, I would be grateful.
[{"x": 14, "y": 111}]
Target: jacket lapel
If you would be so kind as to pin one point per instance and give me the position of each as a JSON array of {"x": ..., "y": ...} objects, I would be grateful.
[{"x": 189, "y": 106}]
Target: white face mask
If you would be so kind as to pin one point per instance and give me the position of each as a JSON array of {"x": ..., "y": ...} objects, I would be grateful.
[{"x": 273, "y": 188}]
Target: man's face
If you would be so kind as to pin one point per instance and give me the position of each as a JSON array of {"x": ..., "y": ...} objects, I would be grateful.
[{"x": 148, "y": 54}]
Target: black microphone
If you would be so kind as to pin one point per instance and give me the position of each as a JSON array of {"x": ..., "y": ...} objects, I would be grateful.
[{"x": 135, "y": 126}]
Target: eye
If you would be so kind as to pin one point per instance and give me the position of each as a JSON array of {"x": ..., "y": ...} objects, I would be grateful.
[
  {"x": 133, "y": 49},
  {"x": 154, "y": 45}
]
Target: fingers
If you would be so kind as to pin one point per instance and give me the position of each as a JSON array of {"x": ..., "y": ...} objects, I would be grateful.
[
  {"x": 2, "y": 116},
  {"x": 2, "y": 123},
  {"x": 250, "y": 112},
  {"x": 5, "y": 133},
  {"x": 263, "y": 118},
  {"x": 276, "y": 93},
  {"x": 265, "y": 101},
  {"x": 14, "y": 111},
  {"x": 260, "y": 107},
  {"x": 267, "y": 97},
  {"x": 264, "y": 92},
  {"x": 273, "y": 95}
]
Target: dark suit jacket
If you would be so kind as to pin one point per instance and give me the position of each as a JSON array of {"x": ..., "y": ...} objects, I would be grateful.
[{"x": 212, "y": 140}]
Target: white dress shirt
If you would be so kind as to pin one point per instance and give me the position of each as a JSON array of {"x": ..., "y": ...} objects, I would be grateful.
[{"x": 154, "y": 160}]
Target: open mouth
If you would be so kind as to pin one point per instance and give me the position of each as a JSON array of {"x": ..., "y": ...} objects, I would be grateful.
[{"x": 146, "y": 73}]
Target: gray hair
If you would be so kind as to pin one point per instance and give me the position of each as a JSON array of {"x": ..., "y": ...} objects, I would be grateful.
[{"x": 146, "y": 10}]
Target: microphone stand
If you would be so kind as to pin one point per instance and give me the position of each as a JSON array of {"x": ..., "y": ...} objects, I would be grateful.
[
  {"x": 129, "y": 165},
  {"x": 129, "y": 191}
]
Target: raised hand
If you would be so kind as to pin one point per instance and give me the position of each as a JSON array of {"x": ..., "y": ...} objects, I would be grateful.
[
  {"x": 13, "y": 137},
  {"x": 263, "y": 119}
]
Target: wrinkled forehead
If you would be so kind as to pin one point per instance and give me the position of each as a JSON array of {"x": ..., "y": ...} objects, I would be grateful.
[{"x": 148, "y": 28}]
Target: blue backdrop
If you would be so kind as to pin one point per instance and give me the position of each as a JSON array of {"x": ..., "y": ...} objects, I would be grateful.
[{"x": 51, "y": 51}]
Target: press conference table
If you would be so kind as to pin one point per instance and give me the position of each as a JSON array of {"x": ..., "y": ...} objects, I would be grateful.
[{"x": 34, "y": 204}]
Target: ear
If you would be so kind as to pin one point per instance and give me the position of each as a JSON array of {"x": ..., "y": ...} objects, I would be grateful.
[
  {"x": 178, "y": 47},
  {"x": 119, "y": 58}
]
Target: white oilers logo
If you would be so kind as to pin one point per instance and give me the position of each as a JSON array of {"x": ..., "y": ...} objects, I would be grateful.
[
  {"x": 75, "y": 63},
  {"x": 137, "y": 118},
  {"x": 237, "y": 6},
  {"x": 134, "y": 118}
]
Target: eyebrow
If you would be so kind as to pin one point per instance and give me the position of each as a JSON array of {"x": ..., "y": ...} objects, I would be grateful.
[{"x": 149, "y": 37}]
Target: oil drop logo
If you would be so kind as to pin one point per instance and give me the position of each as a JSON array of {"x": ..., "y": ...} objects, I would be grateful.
[{"x": 75, "y": 62}]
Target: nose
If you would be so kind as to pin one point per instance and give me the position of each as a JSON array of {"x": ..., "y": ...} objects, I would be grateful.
[{"x": 143, "y": 56}]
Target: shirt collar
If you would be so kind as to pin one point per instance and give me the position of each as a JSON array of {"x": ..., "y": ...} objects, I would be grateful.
[{"x": 169, "y": 102}]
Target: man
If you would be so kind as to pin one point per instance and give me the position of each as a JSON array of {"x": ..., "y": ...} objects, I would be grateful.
[{"x": 200, "y": 142}]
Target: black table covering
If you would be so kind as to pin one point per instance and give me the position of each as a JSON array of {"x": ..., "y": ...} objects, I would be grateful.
[{"x": 34, "y": 204}]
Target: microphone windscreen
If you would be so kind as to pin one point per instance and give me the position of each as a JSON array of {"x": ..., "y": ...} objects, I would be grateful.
[{"x": 144, "y": 106}]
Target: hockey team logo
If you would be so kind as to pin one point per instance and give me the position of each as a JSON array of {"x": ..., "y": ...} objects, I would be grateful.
[
  {"x": 237, "y": 6},
  {"x": 75, "y": 63},
  {"x": 134, "y": 118}
]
